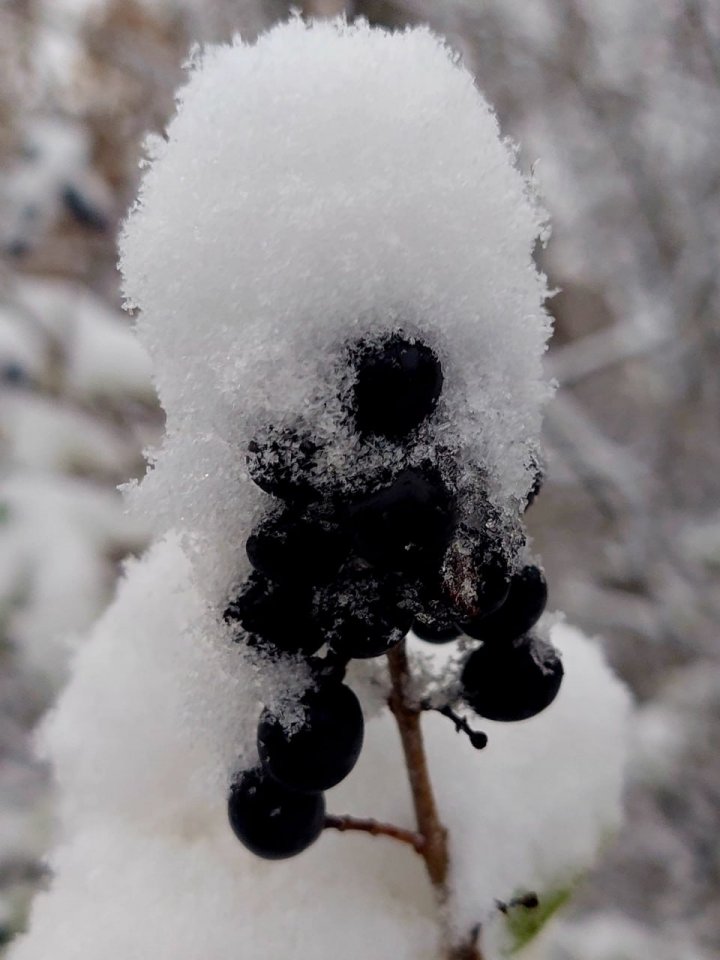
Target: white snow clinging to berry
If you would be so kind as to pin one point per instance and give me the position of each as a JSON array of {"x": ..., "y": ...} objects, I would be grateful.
[{"x": 331, "y": 259}]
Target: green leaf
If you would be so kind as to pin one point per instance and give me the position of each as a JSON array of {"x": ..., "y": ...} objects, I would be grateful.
[{"x": 524, "y": 924}]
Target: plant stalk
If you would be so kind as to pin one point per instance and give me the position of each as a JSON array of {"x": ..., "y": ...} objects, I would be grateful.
[
  {"x": 434, "y": 850},
  {"x": 376, "y": 829}
]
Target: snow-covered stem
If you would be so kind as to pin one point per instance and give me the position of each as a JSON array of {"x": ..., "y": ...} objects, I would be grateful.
[
  {"x": 435, "y": 846},
  {"x": 376, "y": 829}
]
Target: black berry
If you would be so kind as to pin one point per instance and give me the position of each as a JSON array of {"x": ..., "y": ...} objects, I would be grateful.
[
  {"x": 512, "y": 681},
  {"x": 272, "y": 822},
  {"x": 435, "y": 618},
  {"x": 324, "y": 749},
  {"x": 435, "y": 631},
  {"x": 284, "y": 462},
  {"x": 363, "y": 614},
  {"x": 407, "y": 525},
  {"x": 294, "y": 546},
  {"x": 521, "y": 610},
  {"x": 398, "y": 382},
  {"x": 475, "y": 579},
  {"x": 276, "y": 616}
]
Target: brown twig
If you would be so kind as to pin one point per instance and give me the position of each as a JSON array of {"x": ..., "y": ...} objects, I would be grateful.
[
  {"x": 435, "y": 851},
  {"x": 411, "y": 837},
  {"x": 435, "y": 847}
]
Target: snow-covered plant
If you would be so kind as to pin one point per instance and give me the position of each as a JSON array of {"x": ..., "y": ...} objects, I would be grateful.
[
  {"x": 337, "y": 632},
  {"x": 77, "y": 403},
  {"x": 76, "y": 407}
]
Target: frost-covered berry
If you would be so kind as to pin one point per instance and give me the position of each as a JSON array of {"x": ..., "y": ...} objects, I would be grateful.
[
  {"x": 271, "y": 821},
  {"x": 325, "y": 748},
  {"x": 475, "y": 577},
  {"x": 363, "y": 614},
  {"x": 295, "y": 546},
  {"x": 407, "y": 525},
  {"x": 435, "y": 618},
  {"x": 398, "y": 380},
  {"x": 512, "y": 681},
  {"x": 283, "y": 461},
  {"x": 435, "y": 630},
  {"x": 278, "y": 616},
  {"x": 521, "y": 610}
]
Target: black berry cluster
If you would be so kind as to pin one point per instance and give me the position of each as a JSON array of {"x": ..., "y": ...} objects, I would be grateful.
[{"x": 353, "y": 573}]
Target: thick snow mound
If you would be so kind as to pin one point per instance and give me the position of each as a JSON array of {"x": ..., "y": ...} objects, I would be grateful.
[
  {"x": 145, "y": 739},
  {"x": 325, "y": 183}
]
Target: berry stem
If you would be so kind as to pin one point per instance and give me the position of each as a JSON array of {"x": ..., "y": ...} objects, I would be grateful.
[
  {"x": 435, "y": 846},
  {"x": 477, "y": 739},
  {"x": 527, "y": 900},
  {"x": 411, "y": 837},
  {"x": 435, "y": 851}
]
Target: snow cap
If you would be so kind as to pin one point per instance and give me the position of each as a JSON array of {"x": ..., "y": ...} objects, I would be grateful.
[{"x": 328, "y": 182}]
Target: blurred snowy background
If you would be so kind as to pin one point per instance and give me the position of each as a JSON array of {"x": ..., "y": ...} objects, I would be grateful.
[{"x": 616, "y": 106}]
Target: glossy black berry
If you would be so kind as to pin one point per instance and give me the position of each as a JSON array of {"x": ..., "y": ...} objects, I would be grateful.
[
  {"x": 363, "y": 614},
  {"x": 513, "y": 681},
  {"x": 407, "y": 525},
  {"x": 475, "y": 578},
  {"x": 272, "y": 822},
  {"x": 398, "y": 380},
  {"x": 324, "y": 748},
  {"x": 284, "y": 462},
  {"x": 276, "y": 616},
  {"x": 296, "y": 546},
  {"x": 435, "y": 619},
  {"x": 521, "y": 610}
]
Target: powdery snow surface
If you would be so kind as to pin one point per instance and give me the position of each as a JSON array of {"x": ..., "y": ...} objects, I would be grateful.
[
  {"x": 320, "y": 185},
  {"x": 144, "y": 740}
]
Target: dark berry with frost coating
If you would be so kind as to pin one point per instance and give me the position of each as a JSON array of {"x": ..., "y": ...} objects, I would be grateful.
[
  {"x": 398, "y": 380},
  {"x": 284, "y": 461},
  {"x": 407, "y": 525},
  {"x": 435, "y": 631},
  {"x": 475, "y": 578},
  {"x": 363, "y": 613},
  {"x": 277, "y": 617},
  {"x": 435, "y": 618},
  {"x": 324, "y": 748},
  {"x": 272, "y": 822},
  {"x": 292, "y": 545},
  {"x": 513, "y": 681},
  {"x": 520, "y": 612}
]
